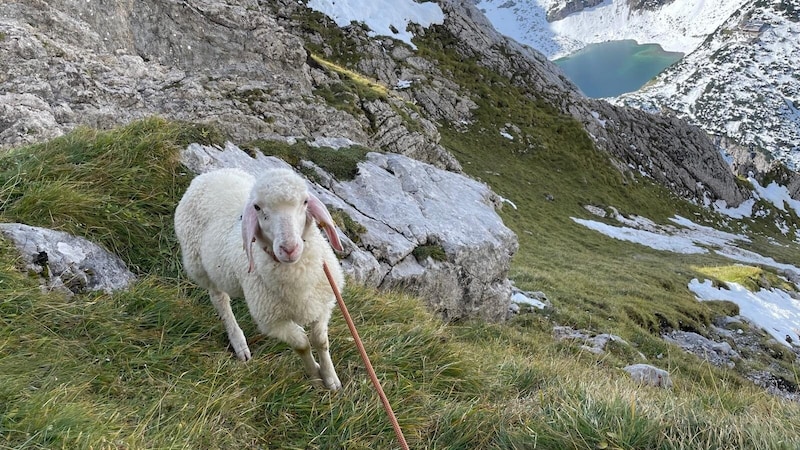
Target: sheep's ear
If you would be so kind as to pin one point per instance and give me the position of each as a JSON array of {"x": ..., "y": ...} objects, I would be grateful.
[
  {"x": 249, "y": 230},
  {"x": 320, "y": 213}
]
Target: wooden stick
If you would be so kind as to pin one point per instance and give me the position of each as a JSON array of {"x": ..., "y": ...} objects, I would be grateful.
[{"x": 365, "y": 358}]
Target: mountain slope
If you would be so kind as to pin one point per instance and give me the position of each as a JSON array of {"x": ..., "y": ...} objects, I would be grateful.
[
  {"x": 738, "y": 80},
  {"x": 148, "y": 368}
]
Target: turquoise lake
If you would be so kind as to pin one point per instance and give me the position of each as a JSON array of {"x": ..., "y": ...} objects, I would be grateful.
[{"x": 612, "y": 68}]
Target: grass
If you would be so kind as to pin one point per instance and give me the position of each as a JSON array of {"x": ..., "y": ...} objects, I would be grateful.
[
  {"x": 149, "y": 368},
  {"x": 119, "y": 188},
  {"x": 342, "y": 163}
]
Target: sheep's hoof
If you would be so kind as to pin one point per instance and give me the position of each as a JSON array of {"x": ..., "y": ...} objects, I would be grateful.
[
  {"x": 328, "y": 384},
  {"x": 244, "y": 354},
  {"x": 333, "y": 383},
  {"x": 330, "y": 380}
]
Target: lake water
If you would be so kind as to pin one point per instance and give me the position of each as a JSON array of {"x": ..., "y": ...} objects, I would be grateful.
[{"x": 612, "y": 68}]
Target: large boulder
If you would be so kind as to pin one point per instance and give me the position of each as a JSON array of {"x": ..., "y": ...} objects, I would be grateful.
[
  {"x": 429, "y": 231},
  {"x": 67, "y": 263}
]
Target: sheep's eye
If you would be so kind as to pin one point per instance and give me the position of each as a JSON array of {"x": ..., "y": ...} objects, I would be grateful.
[
  {"x": 305, "y": 202},
  {"x": 258, "y": 208}
]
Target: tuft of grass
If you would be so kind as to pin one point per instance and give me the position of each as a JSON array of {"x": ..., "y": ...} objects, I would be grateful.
[
  {"x": 352, "y": 229},
  {"x": 118, "y": 188},
  {"x": 433, "y": 251},
  {"x": 366, "y": 88},
  {"x": 751, "y": 277},
  {"x": 341, "y": 163}
]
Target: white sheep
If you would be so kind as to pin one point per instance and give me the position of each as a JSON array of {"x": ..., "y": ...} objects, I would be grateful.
[{"x": 284, "y": 285}]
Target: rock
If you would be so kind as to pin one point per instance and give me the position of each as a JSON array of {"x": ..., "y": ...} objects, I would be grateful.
[
  {"x": 232, "y": 64},
  {"x": 717, "y": 353},
  {"x": 67, "y": 263},
  {"x": 637, "y": 5},
  {"x": 648, "y": 375},
  {"x": 454, "y": 254},
  {"x": 591, "y": 343},
  {"x": 563, "y": 9},
  {"x": 528, "y": 299}
]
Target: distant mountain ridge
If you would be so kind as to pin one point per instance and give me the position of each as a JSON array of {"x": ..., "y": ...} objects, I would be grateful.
[
  {"x": 741, "y": 85},
  {"x": 739, "y": 81}
]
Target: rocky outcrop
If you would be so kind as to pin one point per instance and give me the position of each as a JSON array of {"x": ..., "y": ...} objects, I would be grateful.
[
  {"x": 667, "y": 149},
  {"x": 67, "y": 263},
  {"x": 563, "y": 9},
  {"x": 651, "y": 5},
  {"x": 429, "y": 231},
  {"x": 103, "y": 64},
  {"x": 756, "y": 164},
  {"x": 720, "y": 354}
]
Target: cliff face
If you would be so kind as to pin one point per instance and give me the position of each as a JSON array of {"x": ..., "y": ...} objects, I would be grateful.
[
  {"x": 561, "y": 10},
  {"x": 245, "y": 67}
]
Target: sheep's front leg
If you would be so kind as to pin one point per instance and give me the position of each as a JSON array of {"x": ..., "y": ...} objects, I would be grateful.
[
  {"x": 294, "y": 335},
  {"x": 319, "y": 339},
  {"x": 222, "y": 302}
]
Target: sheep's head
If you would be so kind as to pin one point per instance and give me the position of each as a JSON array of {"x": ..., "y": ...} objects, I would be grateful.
[{"x": 279, "y": 212}]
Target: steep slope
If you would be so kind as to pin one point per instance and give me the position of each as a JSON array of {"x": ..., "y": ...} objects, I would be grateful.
[{"x": 238, "y": 66}]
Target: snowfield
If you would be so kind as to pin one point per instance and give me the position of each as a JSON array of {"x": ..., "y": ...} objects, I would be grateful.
[
  {"x": 774, "y": 310},
  {"x": 679, "y": 26}
]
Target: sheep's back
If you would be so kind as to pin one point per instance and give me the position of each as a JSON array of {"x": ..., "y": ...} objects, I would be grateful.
[{"x": 207, "y": 214}]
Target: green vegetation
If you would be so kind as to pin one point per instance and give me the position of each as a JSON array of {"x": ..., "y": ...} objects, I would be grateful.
[
  {"x": 148, "y": 368},
  {"x": 433, "y": 251},
  {"x": 341, "y": 163},
  {"x": 117, "y": 188},
  {"x": 352, "y": 229},
  {"x": 752, "y": 278}
]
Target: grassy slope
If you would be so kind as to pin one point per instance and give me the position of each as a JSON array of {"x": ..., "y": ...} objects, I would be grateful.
[{"x": 148, "y": 368}]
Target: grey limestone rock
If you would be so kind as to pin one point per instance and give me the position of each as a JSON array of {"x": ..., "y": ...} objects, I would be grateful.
[
  {"x": 717, "y": 353},
  {"x": 231, "y": 64},
  {"x": 593, "y": 343},
  {"x": 563, "y": 9},
  {"x": 648, "y": 375},
  {"x": 67, "y": 263},
  {"x": 407, "y": 208}
]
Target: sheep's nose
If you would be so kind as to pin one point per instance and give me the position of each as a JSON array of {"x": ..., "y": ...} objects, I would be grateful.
[{"x": 290, "y": 250}]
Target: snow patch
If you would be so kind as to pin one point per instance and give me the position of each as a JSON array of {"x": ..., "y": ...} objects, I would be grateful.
[
  {"x": 773, "y": 310},
  {"x": 383, "y": 17}
]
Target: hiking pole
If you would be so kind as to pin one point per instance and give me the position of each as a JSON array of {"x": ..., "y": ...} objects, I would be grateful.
[{"x": 365, "y": 358}]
